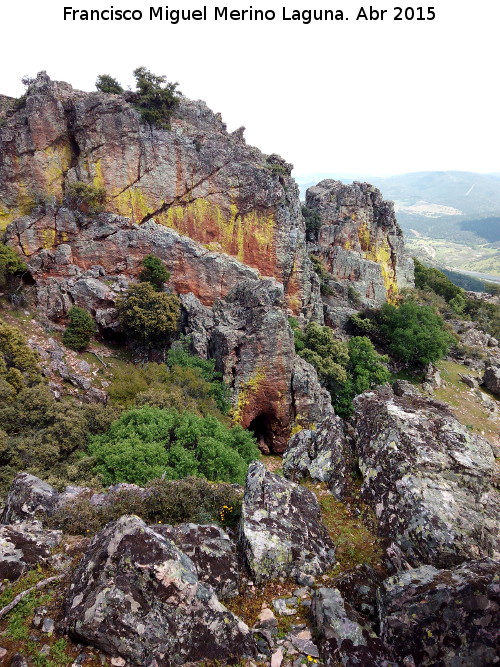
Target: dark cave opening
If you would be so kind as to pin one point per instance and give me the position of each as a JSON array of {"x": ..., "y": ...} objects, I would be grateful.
[{"x": 262, "y": 428}]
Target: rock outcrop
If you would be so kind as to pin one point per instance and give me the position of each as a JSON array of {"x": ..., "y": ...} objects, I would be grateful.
[
  {"x": 443, "y": 617},
  {"x": 491, "y": 379},
  {"x": 343, "y": 639},
  {"x": 281, "y": 531},
  {"x": 212, "y": 552},
  {"x": 428, "y": 479},
  {"x": 196, "y": 179},
  {"x": 359, "y": 242},
  {"x": 24, "y": 546},
  {"x": 323, "y": 455},
  {"x": 136, "y": 595},
  {"x": 28, "y": 496}
]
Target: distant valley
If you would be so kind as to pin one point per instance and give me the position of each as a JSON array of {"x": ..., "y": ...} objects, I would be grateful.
[{"x": 451, "y": 219}]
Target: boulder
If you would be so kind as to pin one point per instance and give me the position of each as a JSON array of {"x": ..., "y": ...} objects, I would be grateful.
[
  {"x": 404, "y": 388},
  {"x": 24, "y": 546},
  {"x": 343, "y": 640},
  {"x": 212, "y": 552},
  {"x": 28, "y": 495},
  {"x": 491, "y": 379},
  {"x": 443, "y": 617},
  {"x": 311, "y": 401},
  {"x": 324, "y": 455},
  {"x": 360, "y": 242},
  {"x": 281, "y": 533},
  {"x": 469, "y": 380},
  {"x": 136, "y": 595},
  {"x": 428, "y": 478}
]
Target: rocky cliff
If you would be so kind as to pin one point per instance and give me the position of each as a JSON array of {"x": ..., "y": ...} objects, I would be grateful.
[{"x": 359, "y": 241}]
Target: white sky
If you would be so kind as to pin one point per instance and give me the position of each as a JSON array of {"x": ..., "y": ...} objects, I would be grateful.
[{"x": 363, "y": 97}]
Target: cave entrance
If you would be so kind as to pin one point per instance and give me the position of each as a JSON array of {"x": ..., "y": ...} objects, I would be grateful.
[{"x": 262, "y": 428}]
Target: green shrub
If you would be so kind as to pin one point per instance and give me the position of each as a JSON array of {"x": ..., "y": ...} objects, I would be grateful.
[
  {"x": 156, "y": 98},
  {"x": 298, "y": 334},
  {"x": 80, "y": 329},
  {"x": 19, "y": 364},
  {"x": 192, "y": 500},
  {"x": 149, "y": 317},
  {"x": 313, "y": 223},
  {"x": 366, "y": 369},
  {"x": 10, "y": 264},
  {"x": 49, "y": 438},
  {"x": 85, "y": 197},
  {"x": 148, "y": 442},
  {"x": 107, "y": 84},
  {"x": 327, "y": 354},
  {"x": 154, "y": 272},
  {"x": 323, "y": 275},
  {"x": 414, "y": 334},
  {"x": 435, "y": 280}
]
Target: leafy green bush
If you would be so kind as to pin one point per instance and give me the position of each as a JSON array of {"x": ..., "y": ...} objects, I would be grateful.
[
  {"x": 193, "y": 499},
  {"x": 148, "y": 442},
  {"x": 328, "y": 355},
  {"x": 150, "y": 317},
  {"x": 10, "y": 264},
  {"x": 19, "y": 364},
  {"x": 366, "y": 369},
  {"x": 414, "y": 334},
  {"x": 85, "y": 197},
  {"x": 49, "y": 438},
  {"x": 154, "y": 272},
  {"x": 157, "y": 99},
  {"x": 298, "y": 334},
  {"x": 80, "y": 329},
  {"x": 313, "y": 223},
  {"x": 435, "y": 280},
  {"x": 107, "y": 84},
  {"x": 323, "y": 275}
]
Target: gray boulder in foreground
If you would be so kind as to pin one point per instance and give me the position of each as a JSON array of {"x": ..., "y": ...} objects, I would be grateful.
[
  {"x": 24, "y": 546},
  {"x": 449, "y": 618},
  {"x": 428, "y": 478},
  {"x": 28, "y": 495},
  {"x": 136, "y": 595},
  {"x": 281, "y": 531}
]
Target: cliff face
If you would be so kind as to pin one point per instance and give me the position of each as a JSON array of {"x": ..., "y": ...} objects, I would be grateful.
[
  {"x": 195, "y": 179},
  {"x": 360, "y": 241}
]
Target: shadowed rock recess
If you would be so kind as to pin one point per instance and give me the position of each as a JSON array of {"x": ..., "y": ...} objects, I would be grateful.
[{"x": 373, "y": 541}]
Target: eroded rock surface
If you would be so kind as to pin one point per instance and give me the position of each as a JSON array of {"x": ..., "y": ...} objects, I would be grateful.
[
  {"x": 323, "y": 455},
  {"x": 443, "y": 617},
  {"x": 281, "y": 531},
  {"x": 28, "y": 496},
  {"x": 343, "y": 639},
  {"x": 491, "y": 379},
  {"x": 428, "y": 479},
  {"x": 137, "y": 595},
  {"x": 24, "y": 546},
  {"x": 360, "y": 242},
  {"x": 212, "y": 552}
]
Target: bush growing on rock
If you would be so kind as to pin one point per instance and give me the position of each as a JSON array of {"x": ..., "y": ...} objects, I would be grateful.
[
  {"x": 85, "y": 197},
  {"x": 414, "y": 334},
  {"x": 313, "y": 223},
  {"x": 149, "y": 317},
  {"x": 148, "y": 442},
  {"x": 157, "y": 99},
  {"x": 19, "y": 364},
  {"x": 80, "y": 329},
  {"x": 10, "y": 264},
  {"x": 154, "y": 272},
  {"x": 328, "y": 355},
  {"x": 163, "y": 501},
  {"x": 107, "y": 84}
]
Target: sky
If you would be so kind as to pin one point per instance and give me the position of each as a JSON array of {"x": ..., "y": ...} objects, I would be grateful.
[{"x": 355, "y": 97}]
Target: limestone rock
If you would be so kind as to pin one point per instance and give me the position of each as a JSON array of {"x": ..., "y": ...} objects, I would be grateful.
[
  {"x": 428, "y": 479},
  {"x": 312, "y": 402},
  {"x": 342, "y": 638},
  {"x": 137, "y": 595},
  {"x": 323, "y": 455},
  {"x": 24, "y": 546},
  {"x": 360, "y": 241},
  {"x": 491, "y": 379},
  {"x": 196, "y": 179},
  {"x": 443, "y": 617},
  {"x": 28, "y": 495},
  {"x": 281, "y": 532},
  {"x": 212, "y": 552}
]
